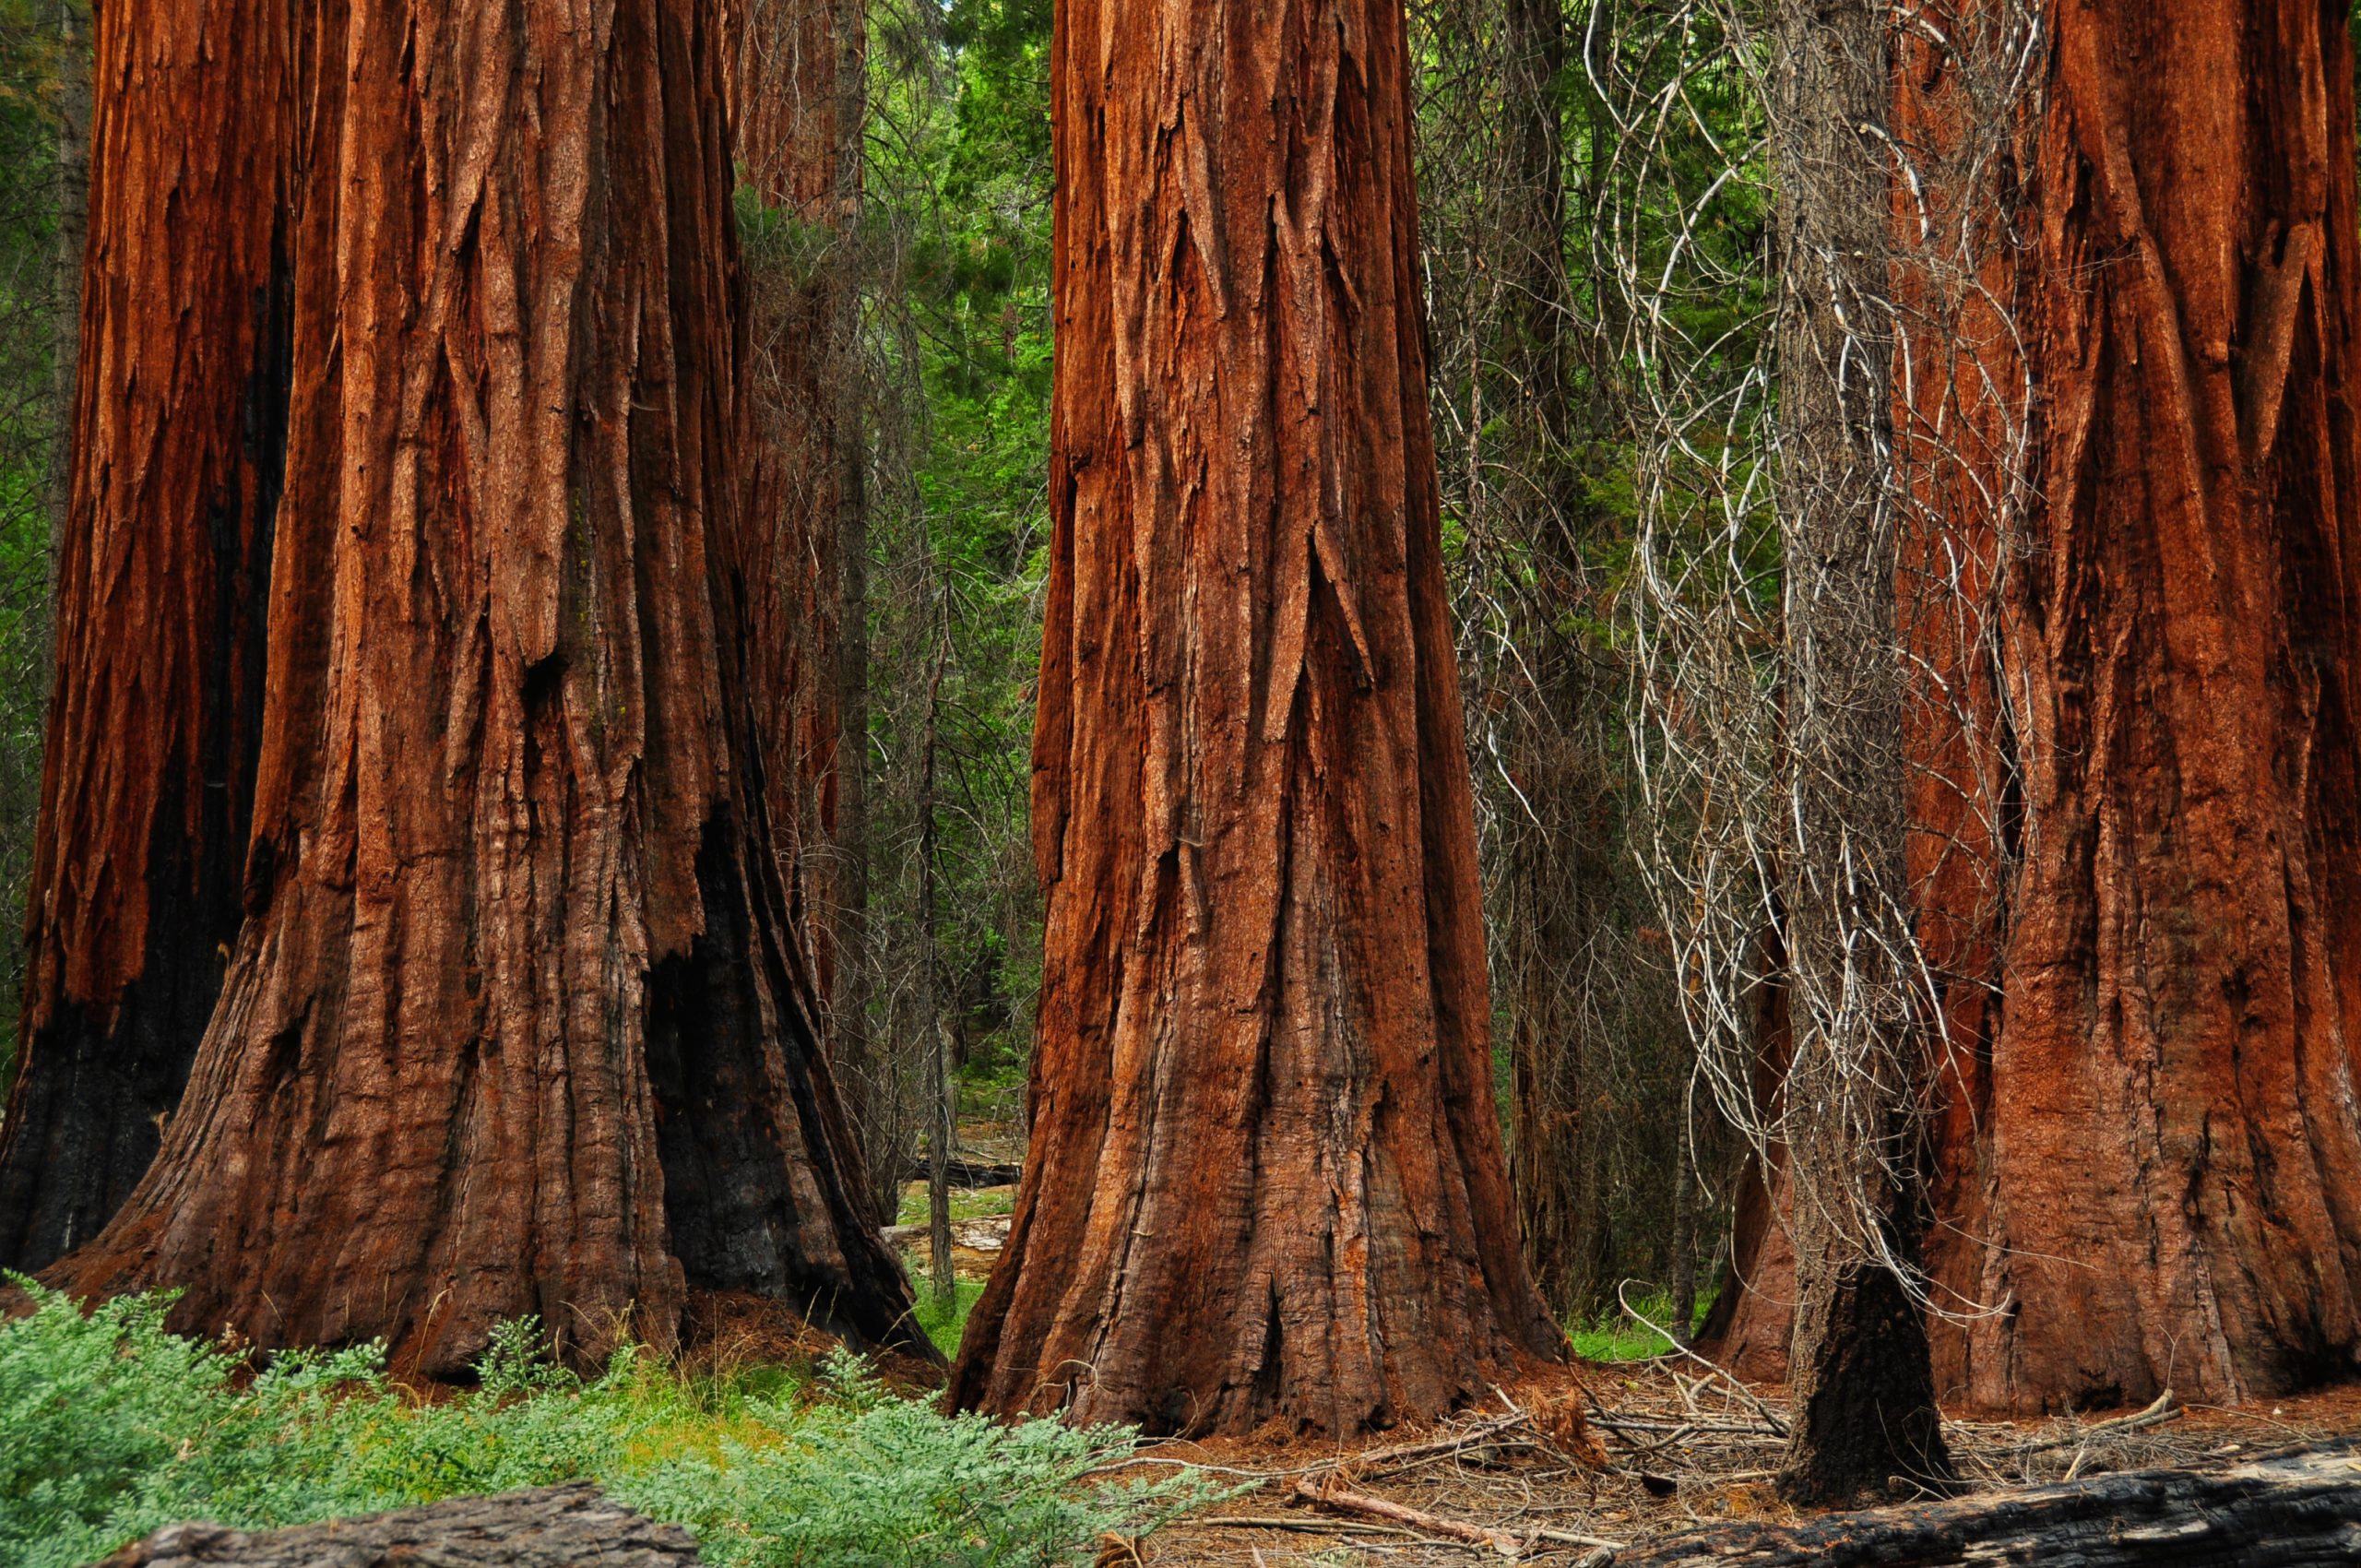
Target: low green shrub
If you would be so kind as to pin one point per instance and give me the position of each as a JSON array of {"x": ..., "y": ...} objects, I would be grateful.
[{"x": 114, "y": 1426}]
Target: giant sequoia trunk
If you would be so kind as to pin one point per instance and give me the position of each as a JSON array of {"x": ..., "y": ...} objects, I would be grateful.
[
  {"x": 179, "y": 440},
  {"x": 2164, "y": 1184},
  {"x": 2152, "y": 1169},
  {"x": 515, "y": 1023},
  {"x": 1265, "y": 1178}
]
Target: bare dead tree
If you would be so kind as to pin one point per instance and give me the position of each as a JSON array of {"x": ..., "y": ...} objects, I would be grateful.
[{"x": 1812, "y": 631}]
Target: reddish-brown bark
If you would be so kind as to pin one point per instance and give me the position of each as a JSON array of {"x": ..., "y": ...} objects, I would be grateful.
[
  {"x": 2152, "y": 1166},
  {"x": 179, "y": 435},
  {"x": 1265, "y": 1178},
  {"x": 516, "y": 1023}
]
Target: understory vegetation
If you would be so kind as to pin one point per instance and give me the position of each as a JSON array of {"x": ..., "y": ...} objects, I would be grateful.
[{"x": 117, "y": 1426}]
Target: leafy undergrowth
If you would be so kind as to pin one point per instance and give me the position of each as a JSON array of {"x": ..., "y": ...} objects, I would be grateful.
[{"x": 116, "y": 1427}]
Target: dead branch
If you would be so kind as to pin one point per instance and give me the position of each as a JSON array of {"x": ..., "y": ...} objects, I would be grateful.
[{"x": 1331, "y": 1495}]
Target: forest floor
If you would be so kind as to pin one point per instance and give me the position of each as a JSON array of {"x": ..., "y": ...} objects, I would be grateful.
[{"x": 1687, "y": 1449}]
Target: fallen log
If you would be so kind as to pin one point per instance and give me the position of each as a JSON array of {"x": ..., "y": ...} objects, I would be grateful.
[
  {"x": 2298, "y": 1506},
  {"x": 551, "y": 1527},
  {"x": 967, "y": 1171}
]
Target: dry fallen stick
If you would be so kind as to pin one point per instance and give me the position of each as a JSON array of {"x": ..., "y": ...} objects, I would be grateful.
[
  {"x": 1330, "y": 1494},
  {"x": 1302, "y": 1527},
  {"x": 2163, "y": 1410},
  {"x": 1634, "y": 1423},
  {"x": 1742, "y": 1390},
  {"x": 1451, "y": 1442}
]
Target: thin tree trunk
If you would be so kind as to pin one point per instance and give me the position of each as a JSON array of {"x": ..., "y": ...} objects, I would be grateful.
[
  {"x": 1265, "y": 1178},
  {"x": 941, "y": 1121},
  {"x": 519, "y": 1023},
  {"x": 1862, "y": 1384},
  {"x": 1684, "y": 1244},
  {"x": 1559, "y": 867},
  {"x": 178, "y": 441}
]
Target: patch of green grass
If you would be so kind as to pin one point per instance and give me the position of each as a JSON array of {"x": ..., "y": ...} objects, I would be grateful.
[
  {"x": 1616, "y": 1340},
  {"x": 967, "y": 1202},
  {"x": 1617, "y": 1337},
  {"x": 116, "y": 1426},
  {"x": 944, "y": 1322}
]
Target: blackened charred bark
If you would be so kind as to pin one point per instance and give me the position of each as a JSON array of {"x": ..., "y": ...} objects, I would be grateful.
[
  {"x": 2298, "y": 1507},
  {"x": 762, "y": 1186},
  {"x": 1865, "y": 1421},
  {"x": 179, "y": 444}
]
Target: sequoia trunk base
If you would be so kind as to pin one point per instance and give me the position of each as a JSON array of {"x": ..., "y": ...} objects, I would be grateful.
[{"x": 517, "y": 1022}]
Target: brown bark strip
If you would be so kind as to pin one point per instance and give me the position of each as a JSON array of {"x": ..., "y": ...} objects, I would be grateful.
[
  {"x": 517, "y": 1023},
  {"x": 1267, "y": 1178},
  {"x": 794, "y": 72},
  {"x": 179, "y": 439}
]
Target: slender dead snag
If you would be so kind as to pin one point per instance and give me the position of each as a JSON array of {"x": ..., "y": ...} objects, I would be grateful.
[{"x": 1863, "y": 1389}]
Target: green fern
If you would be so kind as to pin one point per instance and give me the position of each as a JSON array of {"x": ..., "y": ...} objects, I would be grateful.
[{"x": 117, "y": 1426}]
